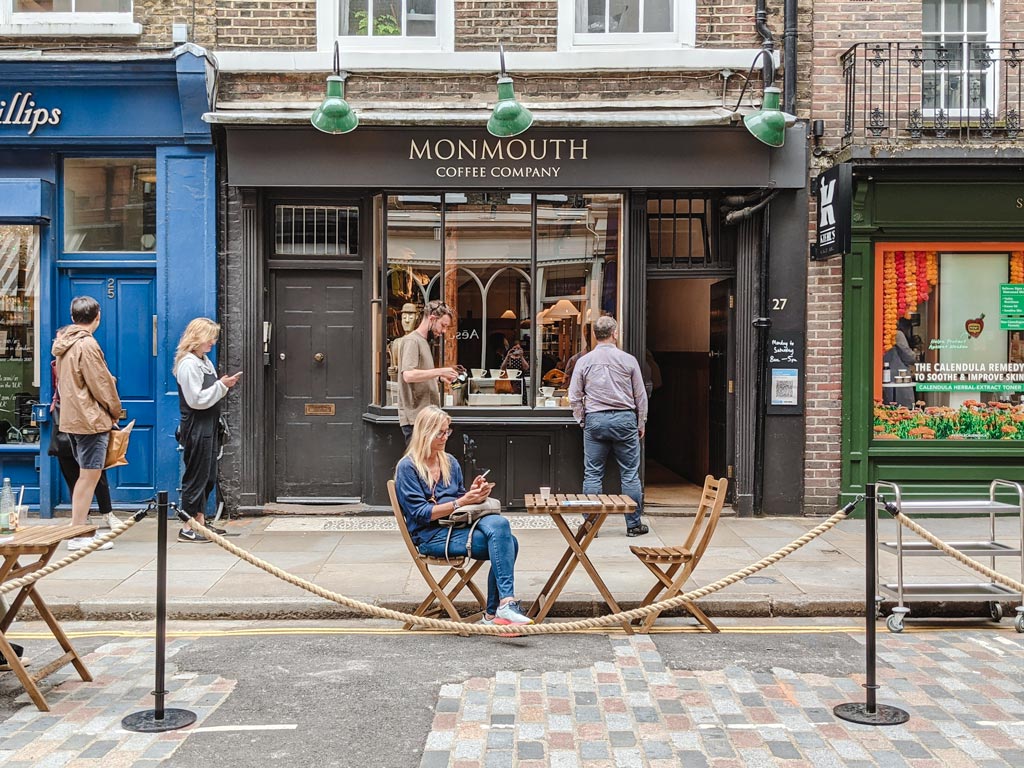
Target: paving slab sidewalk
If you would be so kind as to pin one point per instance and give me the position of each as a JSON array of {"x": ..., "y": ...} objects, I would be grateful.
[{"x": 364, "y": 558}]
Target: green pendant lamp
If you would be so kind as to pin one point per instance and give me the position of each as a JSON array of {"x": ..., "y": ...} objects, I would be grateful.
[
  {"x": 334, "y": 115},
  {"x": 510, "y": 118},
  {"x": 768, "y": 124}
]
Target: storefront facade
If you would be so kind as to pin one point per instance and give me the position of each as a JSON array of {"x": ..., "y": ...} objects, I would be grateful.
[
  {"x": 107, "y": 189},
  {"x": 335, "y": 243},
  {"x": 938, "y": 256}
]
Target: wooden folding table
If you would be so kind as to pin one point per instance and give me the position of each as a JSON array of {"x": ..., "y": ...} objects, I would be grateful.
[
  {"x": 594, "y": 508},
  {"x": 41, "y": 541}
]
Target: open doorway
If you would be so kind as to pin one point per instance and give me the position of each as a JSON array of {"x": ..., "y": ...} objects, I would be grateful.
[{"x": 686, "y": 368}]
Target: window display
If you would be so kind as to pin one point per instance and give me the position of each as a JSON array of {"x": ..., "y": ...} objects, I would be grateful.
[
  {"x": 520, "y": 317},
  {"x": 109, "y": 205},
  {"x": 950, "y": 356},
  {"x": 19, "y": 332}
]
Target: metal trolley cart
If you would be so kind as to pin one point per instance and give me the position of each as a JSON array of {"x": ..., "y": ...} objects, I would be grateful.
[{"x": 988, "y": 592}]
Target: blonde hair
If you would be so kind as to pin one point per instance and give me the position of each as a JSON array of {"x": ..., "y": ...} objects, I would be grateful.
[
  {"x": 202, "y": 330},
  {"x": 428, "y": 423}
]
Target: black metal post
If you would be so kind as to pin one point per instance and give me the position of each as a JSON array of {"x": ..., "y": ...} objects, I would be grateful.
[
  {"x": 870, "y": 712},
  {"x": 159, "y": 719}
]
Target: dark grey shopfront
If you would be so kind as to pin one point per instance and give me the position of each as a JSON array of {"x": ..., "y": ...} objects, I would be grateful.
[{"x": 334, "y": 243}]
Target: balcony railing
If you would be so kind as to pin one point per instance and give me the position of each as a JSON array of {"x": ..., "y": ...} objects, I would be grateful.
[{"x": 932, "y": 91}]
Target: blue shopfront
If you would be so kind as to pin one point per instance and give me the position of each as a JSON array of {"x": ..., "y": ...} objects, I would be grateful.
[{"x": 107, "y": 188}]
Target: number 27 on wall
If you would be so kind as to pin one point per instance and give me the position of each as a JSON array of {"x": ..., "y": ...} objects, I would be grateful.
[{"x": 110, "y": 288}]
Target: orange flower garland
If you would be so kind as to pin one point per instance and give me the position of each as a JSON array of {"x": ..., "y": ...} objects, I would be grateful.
[
  {"x": 889, "y": 315},
  {"x": 921, "y": 268},
  {"x": 933, "y": 268},
  {"x": 910, "y": 268},
  {"x": 1017, "y": 267}
]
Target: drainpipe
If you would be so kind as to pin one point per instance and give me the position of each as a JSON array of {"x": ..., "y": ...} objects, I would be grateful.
[
  {"x": 789, "y": 56},
  {"x": 767, "y": 41}
]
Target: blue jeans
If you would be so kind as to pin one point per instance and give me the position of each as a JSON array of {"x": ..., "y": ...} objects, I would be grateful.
[
  {"x": 492, "y": 540},
  {"x": 613, "y": 432}
]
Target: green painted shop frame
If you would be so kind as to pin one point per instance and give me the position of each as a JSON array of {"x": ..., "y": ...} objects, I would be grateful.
[{"x": 972, "y": 209}]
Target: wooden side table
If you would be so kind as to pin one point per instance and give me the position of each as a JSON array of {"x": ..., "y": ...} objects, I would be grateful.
[{"x": 595, "y": 508}]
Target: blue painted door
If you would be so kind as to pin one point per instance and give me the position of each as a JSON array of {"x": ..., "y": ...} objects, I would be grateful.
[{"x": 127, "y": 307}]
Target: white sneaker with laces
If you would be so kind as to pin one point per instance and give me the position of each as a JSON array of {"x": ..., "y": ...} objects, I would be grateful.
[
  {"x": 511, "y": 613},
  {"x": 112, "y": 521},
  {"x": 81, "y": 543}
]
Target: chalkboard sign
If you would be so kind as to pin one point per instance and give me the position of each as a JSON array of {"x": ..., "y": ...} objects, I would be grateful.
[{"x": 785, "y": 362}]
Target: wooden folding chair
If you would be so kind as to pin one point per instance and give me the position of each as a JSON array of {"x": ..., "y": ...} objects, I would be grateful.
[
  {"x": 673, "y": 565},
  {"x": 441, "y": 597}
]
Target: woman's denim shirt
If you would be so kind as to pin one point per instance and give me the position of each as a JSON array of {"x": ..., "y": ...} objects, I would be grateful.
[{"x": 417, "y": 498}]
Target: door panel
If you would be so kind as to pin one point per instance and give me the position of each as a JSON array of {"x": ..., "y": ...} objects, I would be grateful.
[
  {"x": 318, "y": 377},
  {"x": 528, "y": 466},
  {"x": 127, "y": 305},
  {"x": 719, "y": 398}
]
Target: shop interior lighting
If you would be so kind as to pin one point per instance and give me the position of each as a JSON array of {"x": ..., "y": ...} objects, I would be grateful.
[
  {"x": 509, "y": 118},
  {"x": 334, "y": 115},
  {"x": 508, "y": 314},
  {"x": 562, "y": 310}
]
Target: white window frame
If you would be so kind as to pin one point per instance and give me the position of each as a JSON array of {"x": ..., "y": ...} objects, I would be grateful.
[
  {"x": 79, "y": 24},
  {"x": 328, "y": 17},
  {"x": 685, "y": 35},
  {"x": 991, "y": 38}
]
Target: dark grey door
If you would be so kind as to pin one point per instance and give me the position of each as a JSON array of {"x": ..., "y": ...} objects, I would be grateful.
[
  {"x": 317, "y": 359},
  {"x": 719, "y": 399}
]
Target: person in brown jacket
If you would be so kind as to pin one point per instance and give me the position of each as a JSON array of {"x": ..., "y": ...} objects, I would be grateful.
[{"x": 90, "y": 406}]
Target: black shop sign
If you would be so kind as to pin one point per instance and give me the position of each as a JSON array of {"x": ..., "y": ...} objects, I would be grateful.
[{"x": 835, "y": 212}]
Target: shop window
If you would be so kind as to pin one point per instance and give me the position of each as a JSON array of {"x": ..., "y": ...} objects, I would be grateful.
[
  {"x": 19, "y": 332},
  {"x": 72, "y": 6},
  {"x": 521, "y": 316},
  {"x": 958, "y": 73},
  {"x": 109, "y": 205},
  {"x": 950, "y": 353},
  {"x": 312, "y": 231},
  {"x": 624, "y": 22}
]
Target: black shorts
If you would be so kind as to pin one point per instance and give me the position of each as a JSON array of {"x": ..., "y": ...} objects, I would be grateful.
[{"x": 90, "y": 450}]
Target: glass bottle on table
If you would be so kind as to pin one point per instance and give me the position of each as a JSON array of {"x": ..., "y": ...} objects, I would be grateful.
[{"x": 6, "y": 506}]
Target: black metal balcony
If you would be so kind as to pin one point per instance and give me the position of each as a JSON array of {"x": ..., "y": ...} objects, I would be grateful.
[{"x": 932, "y": 92}]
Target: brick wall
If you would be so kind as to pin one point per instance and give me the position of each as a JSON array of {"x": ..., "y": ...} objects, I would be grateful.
[
  {"x": 730, "y": 24},
  {"x": 274, "y": 24},
  {"x": 523, "y": 25}
]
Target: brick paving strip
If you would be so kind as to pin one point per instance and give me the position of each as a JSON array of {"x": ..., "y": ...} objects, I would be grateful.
[
  {"x": 83, "y": 727},
  {"x": 964, "y": 691}
]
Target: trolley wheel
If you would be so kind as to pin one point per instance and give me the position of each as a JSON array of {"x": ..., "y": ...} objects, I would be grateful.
[
  {"x": 1018, "y": 623},
  {"x": 894, "y": 623},
  {"x": 995, "y": 610}
]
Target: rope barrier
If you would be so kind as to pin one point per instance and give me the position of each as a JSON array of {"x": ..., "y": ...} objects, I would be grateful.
[
  {"x": 78, "y": 554},
  {"x": 520, "y": 629},
  {"x": 935, "y": 541}
]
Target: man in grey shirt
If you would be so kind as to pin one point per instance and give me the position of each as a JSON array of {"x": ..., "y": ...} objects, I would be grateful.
[
  {"x": 417, "y": 376},
  {"x": 609, "y": 401}
]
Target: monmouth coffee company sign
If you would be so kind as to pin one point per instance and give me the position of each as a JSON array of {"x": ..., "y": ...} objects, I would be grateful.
[
  {"x": 498, "y": 158},
  {"x": 21, "y": 113}
]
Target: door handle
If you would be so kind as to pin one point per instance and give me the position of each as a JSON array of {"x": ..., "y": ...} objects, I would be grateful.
[
  {"x": 154, "y": 335},
  {"x": 282, "y": 355},
  {"x": 319, "y": 357}
]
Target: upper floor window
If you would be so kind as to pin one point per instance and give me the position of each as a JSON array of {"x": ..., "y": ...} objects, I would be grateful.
[
  {"x": 958, "y": 74},
  {"x": 629, "y": 22},
  {"x": 389, "y": 24},
  {"x": 109, "y": 205},
  {"x": 68, "y": 17}
]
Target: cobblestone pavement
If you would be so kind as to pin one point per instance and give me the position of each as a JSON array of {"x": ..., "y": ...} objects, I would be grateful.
[
  {"x": 83, "y": 727},
  {"x": 963, "y": 689},
  {"x": 751, "y": 696}
]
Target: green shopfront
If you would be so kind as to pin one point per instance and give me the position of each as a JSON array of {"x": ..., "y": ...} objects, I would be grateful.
[{"x": 933, "y": 332}]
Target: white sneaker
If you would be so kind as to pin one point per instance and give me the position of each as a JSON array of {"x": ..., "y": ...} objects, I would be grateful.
[
  {"x": 112, "y": 521},
  {"x": 81, "y": 543}
]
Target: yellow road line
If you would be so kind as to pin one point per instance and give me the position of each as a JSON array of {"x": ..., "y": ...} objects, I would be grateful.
[{"x": 284, "y": 631}]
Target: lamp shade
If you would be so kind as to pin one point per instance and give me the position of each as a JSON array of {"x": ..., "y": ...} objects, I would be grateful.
[
  {"x": 508, "y": 314},
  {"x": 562, "y": 310},
  {"x": 509, "y": 118},
  {"x": 768, "y": 124},
  {"x": 334, "y": 115}
]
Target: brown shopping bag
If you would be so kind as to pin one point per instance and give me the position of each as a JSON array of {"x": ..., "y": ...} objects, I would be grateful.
[{"x": 117, "y": 446}]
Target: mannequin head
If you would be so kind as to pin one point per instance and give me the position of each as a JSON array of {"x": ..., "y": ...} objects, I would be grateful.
[{"x": 409, "y": 317}]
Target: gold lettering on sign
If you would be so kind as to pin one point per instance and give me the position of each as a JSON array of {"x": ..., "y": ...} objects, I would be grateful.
[
  {"x": 319, "y": 409},
  {"x": 1020, "y": 202}
]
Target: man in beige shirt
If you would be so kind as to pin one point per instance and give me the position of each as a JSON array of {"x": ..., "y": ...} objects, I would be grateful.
[{"x": 417, "y": 376}]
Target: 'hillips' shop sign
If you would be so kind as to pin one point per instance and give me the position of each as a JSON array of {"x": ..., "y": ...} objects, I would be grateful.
[{"x": 20, "y": 111}]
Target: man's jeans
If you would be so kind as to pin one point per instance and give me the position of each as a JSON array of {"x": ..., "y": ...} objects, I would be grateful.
[
  {"x": 492, "y": 540},
  {"x": 615, "y": 432}
]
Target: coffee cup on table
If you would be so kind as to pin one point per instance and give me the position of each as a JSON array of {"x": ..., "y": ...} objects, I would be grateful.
[{"x": 545, "y": 491}]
